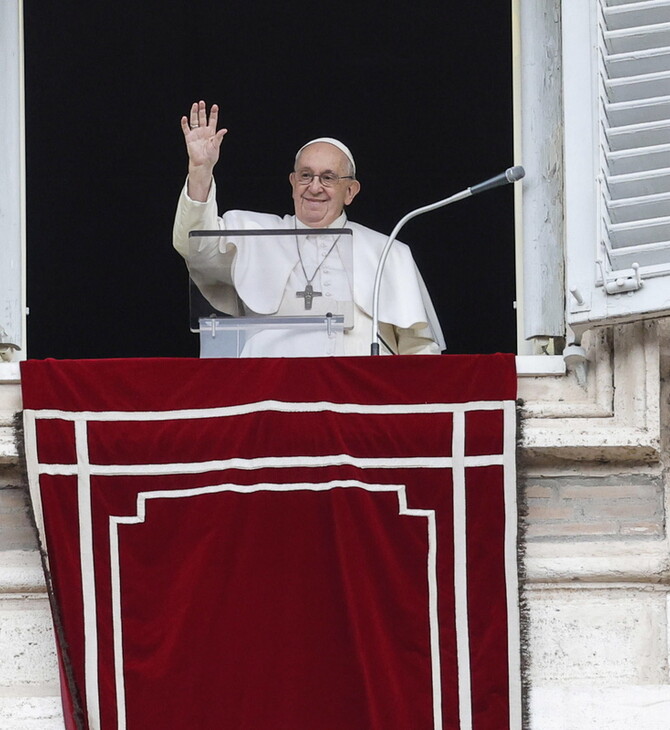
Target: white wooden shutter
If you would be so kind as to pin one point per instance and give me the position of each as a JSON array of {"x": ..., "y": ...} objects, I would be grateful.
[{"x": 625, "y": 70}]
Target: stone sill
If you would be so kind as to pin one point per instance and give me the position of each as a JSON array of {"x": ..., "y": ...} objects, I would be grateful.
[
  {"x": 526, "y": 366},
  {"x": 585, "y": 707},
  {"x": 21, "y": 573},
  {"x": 612, "y": 415},
  {"x": 31, "y": 713},
  {"x": 9, "y": 373},
  {"x": 584, "y": 561},
  {"x": 533, "y": 366},
  {"x": 573, "y": 564},
  {"x": 10, "y": 376}
]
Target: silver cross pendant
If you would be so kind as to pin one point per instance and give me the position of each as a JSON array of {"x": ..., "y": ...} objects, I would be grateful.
[{"x": 308, "y": 295}]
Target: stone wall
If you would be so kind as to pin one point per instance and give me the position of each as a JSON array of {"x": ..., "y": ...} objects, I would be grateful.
[
  {"x": 598, "y": 556},
  {"x": 29, "y": 686},
  {"x": 593, "y": 506}
]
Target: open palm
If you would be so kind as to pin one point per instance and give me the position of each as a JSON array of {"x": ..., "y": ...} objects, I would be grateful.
[{"x": 203, "y": 141}]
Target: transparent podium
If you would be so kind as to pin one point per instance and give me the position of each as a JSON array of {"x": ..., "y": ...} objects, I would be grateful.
[{"x": 227, "y": 269}]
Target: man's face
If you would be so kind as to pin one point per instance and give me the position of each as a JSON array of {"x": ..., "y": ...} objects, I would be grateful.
[{"x": 318, "y": 206}]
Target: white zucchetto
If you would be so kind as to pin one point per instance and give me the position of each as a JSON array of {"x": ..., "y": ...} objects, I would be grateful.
[{"x": 336, "y": 143}]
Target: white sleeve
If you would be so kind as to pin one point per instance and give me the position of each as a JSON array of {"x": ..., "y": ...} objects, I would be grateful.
[
  {"x": 193, "y": 215},
  {"x": 209, "y": 263}
]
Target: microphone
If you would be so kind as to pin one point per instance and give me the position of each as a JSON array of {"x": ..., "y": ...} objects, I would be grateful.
[{"x": 511, "y": 175}]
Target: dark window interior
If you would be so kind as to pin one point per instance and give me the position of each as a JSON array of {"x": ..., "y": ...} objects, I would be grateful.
[{"x": 420, "y": 91}]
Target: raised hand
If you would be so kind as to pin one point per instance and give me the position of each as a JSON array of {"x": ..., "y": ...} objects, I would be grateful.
[{"x": 203, "y": 143}]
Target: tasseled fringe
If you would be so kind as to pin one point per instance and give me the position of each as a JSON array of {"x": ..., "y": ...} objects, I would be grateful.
[{"x": 524, "y": 610}]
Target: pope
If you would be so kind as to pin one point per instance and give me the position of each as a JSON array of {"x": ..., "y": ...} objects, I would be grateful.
[{"x": 254, "y": 276}]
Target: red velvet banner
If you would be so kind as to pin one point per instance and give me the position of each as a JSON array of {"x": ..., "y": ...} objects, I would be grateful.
[{"x": 280, "y": 544}]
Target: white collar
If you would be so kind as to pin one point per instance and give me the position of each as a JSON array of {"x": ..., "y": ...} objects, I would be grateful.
[{"x": 339, "y": 222}]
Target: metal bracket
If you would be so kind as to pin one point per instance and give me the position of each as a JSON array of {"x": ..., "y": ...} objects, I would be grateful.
[
  {"x": 627, "y": 280},
  {"x": 7, "y": 347},
  {"x": 577, "y": 362}
]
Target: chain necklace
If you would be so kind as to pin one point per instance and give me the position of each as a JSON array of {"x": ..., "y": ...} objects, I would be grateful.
[{"x": 308, "y": 294}]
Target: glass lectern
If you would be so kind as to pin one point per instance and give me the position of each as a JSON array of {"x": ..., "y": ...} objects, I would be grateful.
[{"x": 271, "y": 293}]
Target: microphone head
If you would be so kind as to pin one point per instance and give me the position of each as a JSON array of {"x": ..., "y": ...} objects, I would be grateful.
[{"x": 514, "y": 173}]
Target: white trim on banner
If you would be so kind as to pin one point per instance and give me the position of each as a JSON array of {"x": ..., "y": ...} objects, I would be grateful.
[
  {"x": 87, "y": 574},
  {"x": 400, "y": 490},
  {"x": 199, "y": 467},
  {"x": 458, "y": 462},
  {"x": 461, "y": 574},
  {"x": 511, "y": 575},
  {"x": 269, "y": 406}
]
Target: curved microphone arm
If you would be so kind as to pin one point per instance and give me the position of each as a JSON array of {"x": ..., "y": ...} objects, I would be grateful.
[
  {"x": 510, "y": 175},
  {"x": 374, "y": 346}
]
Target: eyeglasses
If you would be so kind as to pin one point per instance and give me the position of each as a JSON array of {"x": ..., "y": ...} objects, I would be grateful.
[{"x": 327, "y": 179}]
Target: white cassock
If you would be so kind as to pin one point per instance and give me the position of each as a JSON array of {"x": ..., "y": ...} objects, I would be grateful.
[{"x": 259, "y": 276}]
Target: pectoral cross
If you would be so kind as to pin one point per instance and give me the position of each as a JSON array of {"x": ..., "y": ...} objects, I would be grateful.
[{"x": 308, "y": 295}]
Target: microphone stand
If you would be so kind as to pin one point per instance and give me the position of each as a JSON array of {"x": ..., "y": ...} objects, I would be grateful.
[{"x": 510, "y": 175}]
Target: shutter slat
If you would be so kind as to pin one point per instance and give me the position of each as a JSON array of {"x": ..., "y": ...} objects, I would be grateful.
[
  {"x": 631, "y": 15},
  {"x": 635, "y": 112},
  {"x": 617, "y": 3},
  {"x": 637, "y": 39},
  {"x": 637, "y": 63},
  {"x": 643, "y": 207},
  {"x": 639, "y": 233},
  {"x": 632, "y": 88},
  {"x": 647, "y": 255},
  {"x": 628, "y": 162},
  {"x": 638, "y": 136},
  {"x": 646, "y": 183}
]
